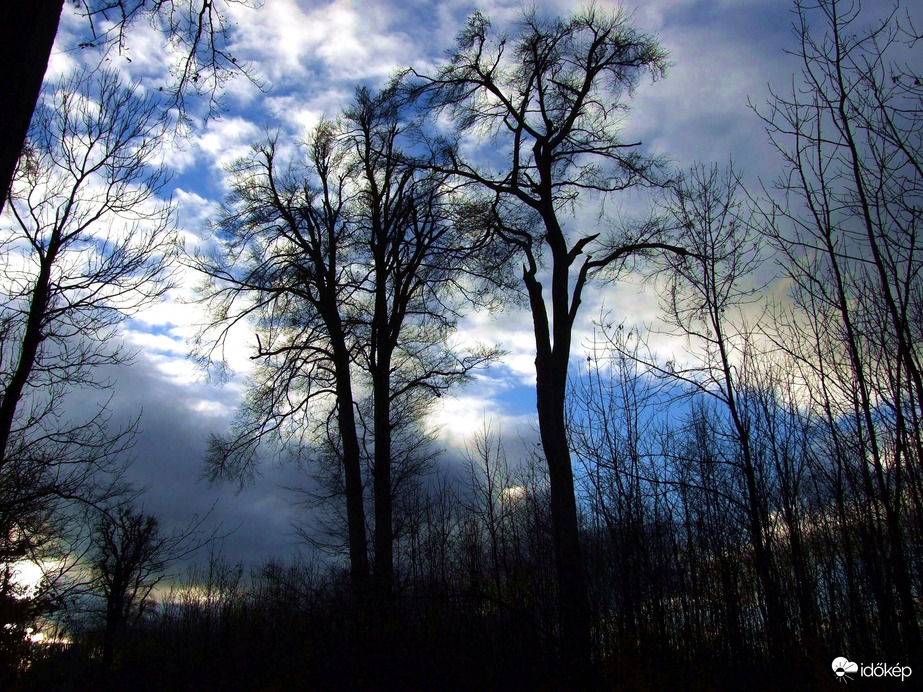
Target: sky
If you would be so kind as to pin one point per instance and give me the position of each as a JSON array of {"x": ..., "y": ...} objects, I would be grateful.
[{"x": 310, "y": 56}]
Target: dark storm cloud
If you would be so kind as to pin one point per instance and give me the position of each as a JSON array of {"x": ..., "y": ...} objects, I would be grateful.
[
  {"x": 176, "y": 420},
  {"x": 724, "y": 57}
]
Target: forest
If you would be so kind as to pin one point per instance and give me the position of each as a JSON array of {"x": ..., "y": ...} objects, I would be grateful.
[{"x": 729, "y": 495}]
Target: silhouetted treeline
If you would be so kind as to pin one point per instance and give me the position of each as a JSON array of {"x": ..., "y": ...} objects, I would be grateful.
[{"x": 675, "y": 595}]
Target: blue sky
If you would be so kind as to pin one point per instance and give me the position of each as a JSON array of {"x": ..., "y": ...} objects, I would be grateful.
[{"x": 310, "y": 57}]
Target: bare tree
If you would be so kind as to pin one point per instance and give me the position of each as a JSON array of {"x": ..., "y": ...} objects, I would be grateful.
[
  {"x": 129, "y": 556},
  {"x": 85, "y": 243},
  {"x": 86, "y": 240},
  {"x": 490, "y": 494},
  {"x": 707, "y": 302},
  {"x": 847, "y": 223},
  {"x": 421, "y": 256},
  {"x": 290, "y": 227},
  {"x": 350, "y": 265},
  {"x": 615, "y": 409},
  {"x": 549, "y": 101}
]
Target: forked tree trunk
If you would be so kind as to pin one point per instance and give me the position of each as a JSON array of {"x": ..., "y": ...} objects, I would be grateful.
[{"x": 551, "y": 384}]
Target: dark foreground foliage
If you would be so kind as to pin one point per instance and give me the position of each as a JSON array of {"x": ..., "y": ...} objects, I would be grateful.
[
  {"x": 428, "y": 643},
  {"x": 475, "y": 610}
]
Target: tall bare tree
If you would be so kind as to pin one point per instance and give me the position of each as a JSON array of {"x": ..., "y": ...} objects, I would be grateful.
[
  {"x": 86, "y": 242},
  {"x": 707, "y": 303},
  {"x": 421, "y": 257},
  {"x": 549, "y": 101},
  {"x": 288, "y": 228},
  {"x": 352, "y": 266}
]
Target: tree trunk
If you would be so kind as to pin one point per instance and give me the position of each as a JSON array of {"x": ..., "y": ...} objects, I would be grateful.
[
  {"x": 574, "y": 608},
  {"x": 352, "y": 468},
  {"x": 28, "y": 350},
  {"x": 115, "y": 609},
  {"x": 384, "y": 530},
  {"x": 27, "y": 32},
  {"x": 551, "y": 381}
]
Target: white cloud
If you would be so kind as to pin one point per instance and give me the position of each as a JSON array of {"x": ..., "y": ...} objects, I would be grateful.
[
  {"x": 226, "y": 139},
  {"x": 349, "y": 40},
  {"x": 723, "y": 58},
  {"x": 60, "y": 65},
  {"x": 160, "y": 344},
  {"x": 294, "y": 112},
  {"x": 272, "y": 37},
  {"x": 194, "y": 212},
  {"x": 512, "y": 330}
]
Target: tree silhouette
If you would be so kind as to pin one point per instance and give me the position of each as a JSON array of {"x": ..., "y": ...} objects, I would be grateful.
[
  {"x": 129, "y": 556},
  {"x": 85, "y": 243},
  {"x": 350, "y": 267},
  {"x": 846, "y": 220},
  {"x": 549, "y": 101}
]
